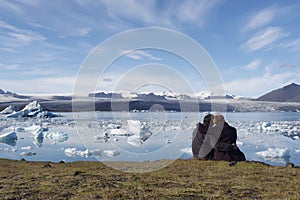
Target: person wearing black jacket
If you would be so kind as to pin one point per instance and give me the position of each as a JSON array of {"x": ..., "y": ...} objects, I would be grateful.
[
  {"x": 200, "y": 147},
  {"x": 223, "y": 138}
]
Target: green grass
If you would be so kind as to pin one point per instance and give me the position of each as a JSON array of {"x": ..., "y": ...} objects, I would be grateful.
[{"x": 183, "y": 179}]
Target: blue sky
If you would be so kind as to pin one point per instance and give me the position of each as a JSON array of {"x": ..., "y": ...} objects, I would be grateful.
[{"x": 254, "y": 44}]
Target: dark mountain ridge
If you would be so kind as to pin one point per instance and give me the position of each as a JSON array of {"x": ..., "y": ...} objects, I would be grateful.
[{"x": 288, "y": 93}]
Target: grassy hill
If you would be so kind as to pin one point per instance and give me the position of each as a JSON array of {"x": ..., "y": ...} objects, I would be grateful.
[{"x": 183, "y": 179}]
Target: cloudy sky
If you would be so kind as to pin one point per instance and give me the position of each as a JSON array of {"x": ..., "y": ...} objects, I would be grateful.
[{"x": 255, "y": 46}]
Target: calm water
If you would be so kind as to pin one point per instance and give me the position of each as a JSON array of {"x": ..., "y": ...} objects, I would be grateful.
[{"x": 171, "y": 135}]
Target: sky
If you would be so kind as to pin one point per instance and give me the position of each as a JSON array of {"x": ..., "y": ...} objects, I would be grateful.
[{"x": 254, "y": 45}]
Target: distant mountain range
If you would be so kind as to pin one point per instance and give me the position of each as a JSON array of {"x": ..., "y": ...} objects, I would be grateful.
[
  {"x": 11, "y": 94},
  {"x": 283, "y": 99},
  {"x": 289, "y": 93}
]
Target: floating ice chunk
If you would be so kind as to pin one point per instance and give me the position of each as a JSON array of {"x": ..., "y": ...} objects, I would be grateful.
[
  {"x": 32, "y": 106},
  {"x": 134, "y": 126},
  {"x": 119, "y": 132},
  {"x": 102, "y": 138},
  {"x": 266, "y": 124},
  {"x": 274, "y": 153},
  {"x": 296, "y": 137},
  {"x": 28, "y": 153},
  {"x": 57, "y": 136},
  {"x": 26, "y": 148},
  {"x": 239, "y": 143},
  {"x": 114, "y": 126},
  {"x": 46, "y": 114},
  {"x": 167, "y": 141},
  {"x": 15, "y": 114},
  {"x": 187, "y": 151},
  {"x": 32, "y": 128},
  {"x": 9, "y": 109},
  {"x": 72, "y": 152},
  {"x": 111, "y": 153},
  {"x": 9, "y": 138},
  {"x": 134, "y": 140},
  {"x": 38, "y": 133},
  {"x": 96, "y": 152},
  {"x": 297, "y": 150},
  {"x": 139, "y": 130}
]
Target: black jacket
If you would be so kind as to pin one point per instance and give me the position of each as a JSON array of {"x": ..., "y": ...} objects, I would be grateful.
[{"x": 198, "y": 143}]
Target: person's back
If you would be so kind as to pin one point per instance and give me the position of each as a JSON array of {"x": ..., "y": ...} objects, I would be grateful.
[
  {"x": 198, "y": 138},
  {"x": 225, "y": 147}
]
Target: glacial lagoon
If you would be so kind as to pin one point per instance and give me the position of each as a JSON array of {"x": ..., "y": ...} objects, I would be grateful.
[{"x": 271, "y": 137}]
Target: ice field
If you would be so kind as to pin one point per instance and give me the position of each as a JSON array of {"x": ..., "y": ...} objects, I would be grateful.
[{"x": 37, "y": 135}]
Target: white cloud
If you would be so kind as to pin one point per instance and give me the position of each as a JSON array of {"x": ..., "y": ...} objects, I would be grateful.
[
  {"x": 253, "y": 65},
  {"x": 266, "y": 16},
  {"x": 148, "y": 12},
  {"x": 261, "y": 18},
  {"x": 264, "y": 39},
  {"x": 40, "y": 85},
  {"x": 12, "y": 36},
  {"x": 294, "y": 45},
  {"x": 259, "y": 85},
  {"x": 9, "y": 66},
  {"x": 140, "y": 55},
  {"x": 195, "y": 11}
]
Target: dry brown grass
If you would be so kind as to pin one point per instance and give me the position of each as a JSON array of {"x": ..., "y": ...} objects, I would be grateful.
[{"x": 183, "y": 179}]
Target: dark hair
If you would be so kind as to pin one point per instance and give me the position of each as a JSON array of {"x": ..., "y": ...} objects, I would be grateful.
[{"x": 207, "y": 119}]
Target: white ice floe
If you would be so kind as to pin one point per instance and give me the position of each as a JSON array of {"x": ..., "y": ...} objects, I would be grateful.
[
  {"x": 297, "y": 150},
  {"x": 57, "y": 136},
  {"x": 119, "y": 132},
  {"x": 114, "y": 126},
  {"x": 111, "y": 153},
  {"x": 168, "y": 141},
  {"x": 139, "y": 131},
  {"x": 38, "y": 133},
  {"x": 274, "y": 153},
  {"x": 33, "y": 109},
  {"x": 239, "y": 143},
  {"x": 72, "y": 152},
  {"x": 12, "y": 135},
  {"x": 28, "y": 153},
  {"x": 134, "y": 140},
  {"x": 102, "y": 137},
  {"x": 9, "y": 110},
  {"x": 26, "y": 148},
  {"x": 187, "y": 151},
  {"x": 46, "y": 114}
]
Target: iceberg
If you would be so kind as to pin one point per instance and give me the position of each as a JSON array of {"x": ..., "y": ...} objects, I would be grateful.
[
  {"x": 119, "y": 132},
  {"x": 28, "y": 153},
  {"x": 57, "y": 136},
  {"x": 26, "y": 148},
  {"x": 139, "y": 133},
  {"x": 134, "y": 141},
  {"x": 10, "y": 109},
  {"x": 9, "y": 138},
  {"x": 187, "y": 151},
  {"x": 102, "y": 138},
  {"x": 46, "y": 114},
  {"x": 72, "y": 152},
  {"x": 274, "y": 153},
  {"x": 111, "y": 153},
  {"x": 38, "y": 134},
  {"x": 33, "y": 109}
]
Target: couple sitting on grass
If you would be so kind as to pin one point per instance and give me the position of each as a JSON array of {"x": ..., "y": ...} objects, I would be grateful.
[{"x": 215, "y": 139}]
